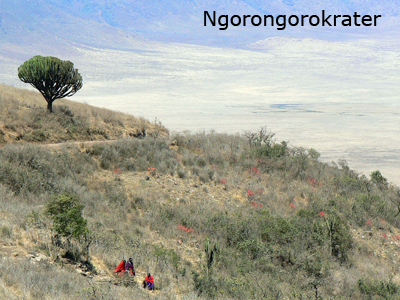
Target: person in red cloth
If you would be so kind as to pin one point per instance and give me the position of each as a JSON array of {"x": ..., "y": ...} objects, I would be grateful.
[
  {"x": 120, "y": 269},
  {"x": 129, "y": 267},
  {"x": 149, "y": 282}
]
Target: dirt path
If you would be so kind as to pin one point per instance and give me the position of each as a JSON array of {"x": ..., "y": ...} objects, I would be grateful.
[{"x": 77, "y": 143}]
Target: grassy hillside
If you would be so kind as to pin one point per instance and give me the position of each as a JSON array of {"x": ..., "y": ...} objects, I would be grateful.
[
  {"x": 23, "y": 118},
  {"x": 209, "y": 215}
]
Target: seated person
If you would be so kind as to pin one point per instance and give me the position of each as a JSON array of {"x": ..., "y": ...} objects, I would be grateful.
[
  {"x": 129, "y": 267},
  {"x": 120, "y": 269},
  {"x": 149, "y": 282}
]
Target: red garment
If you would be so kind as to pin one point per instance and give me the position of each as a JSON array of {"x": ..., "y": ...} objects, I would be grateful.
[
  {"x": 120, "y": 267},
  {"x": 151, "y": 279}
]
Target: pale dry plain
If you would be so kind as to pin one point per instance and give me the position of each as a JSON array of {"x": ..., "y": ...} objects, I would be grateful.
[{"x": 341, "y": 98}]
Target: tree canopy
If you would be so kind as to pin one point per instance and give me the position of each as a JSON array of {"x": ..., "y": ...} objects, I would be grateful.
[{"x": 52, "y": 77}]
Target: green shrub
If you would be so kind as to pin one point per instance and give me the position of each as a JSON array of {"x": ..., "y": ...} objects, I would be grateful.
[
  {"x": 338, "y": 235},
  {"x": 5, "y": 232},
  {"x": 378, "y": 179},
  {"x": 274, "y": 151},
  {"x": 182, "y": 173},
  {"x": 206, "y": 285},
  {"x": 384, "y": 289},
  {"x": 66, "y": 214}
]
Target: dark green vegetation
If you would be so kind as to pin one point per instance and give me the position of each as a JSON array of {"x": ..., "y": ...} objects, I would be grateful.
[
  {"x": 66, "y": 213},
  {"x": 51, "y": 76}
]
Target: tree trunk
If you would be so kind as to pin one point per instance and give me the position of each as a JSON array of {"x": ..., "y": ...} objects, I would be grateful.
[{"x": 50, "y": 106}]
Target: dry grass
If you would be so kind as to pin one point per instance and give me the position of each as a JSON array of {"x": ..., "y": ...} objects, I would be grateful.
[{"x": 23, "y": 117}]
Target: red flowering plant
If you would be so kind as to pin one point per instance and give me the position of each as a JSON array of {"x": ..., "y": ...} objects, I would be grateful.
[
  {"x": 250, "y": 193},
  {"x": 314, "y": 183},
  {"x": 185, "y": 228},
  {"x": 151, "y": 170},
  {"x": 368, "y": 223},
  {"x": 253, "y": 171},
  {"x": 117, "y": 172},
  {"x": 256, "y": 205},
  {"x": 382, "y": 224}
]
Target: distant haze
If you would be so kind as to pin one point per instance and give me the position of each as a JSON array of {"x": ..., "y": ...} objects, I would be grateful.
[
  {"x": 109, "y": 23},
  {"x": 332, "y": 89}
]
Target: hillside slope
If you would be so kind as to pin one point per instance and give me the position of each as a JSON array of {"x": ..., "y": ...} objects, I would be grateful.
[
  {"x": 23, "y": 118},
  {"x": 209, "y": 215}
]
